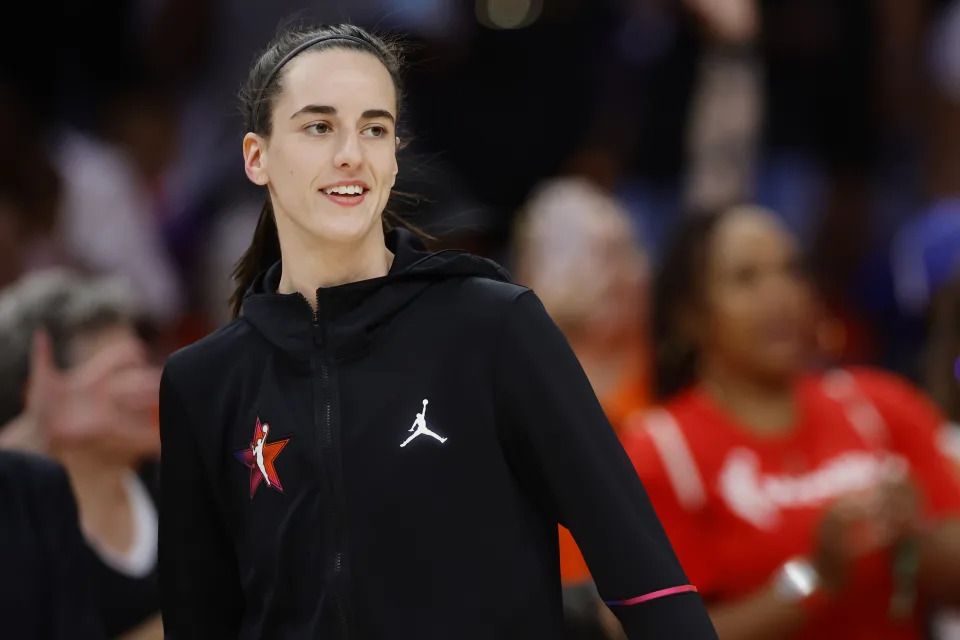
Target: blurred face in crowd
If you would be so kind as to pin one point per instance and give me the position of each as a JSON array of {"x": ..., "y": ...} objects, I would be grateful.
[
  {"x": 758, "y": 303},
  {"x": 330, "y": 160},
  {"x": 576, "y": 247},
  {"x": 126, "y": 397},
  {"x": 620, "y": 290}
]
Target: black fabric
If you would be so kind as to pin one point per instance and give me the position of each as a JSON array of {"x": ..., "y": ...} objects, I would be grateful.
[
  {"x": 125, "y": 602},
  {"x": 368, "y": 539},
  {"x": 46, "y": 590}
]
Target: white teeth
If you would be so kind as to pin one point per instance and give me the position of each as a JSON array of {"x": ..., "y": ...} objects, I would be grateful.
[{"x": 344, "y": 190}]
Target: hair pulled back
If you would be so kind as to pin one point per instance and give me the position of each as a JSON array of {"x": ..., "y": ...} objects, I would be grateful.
[{"x": 257, "y": 101}]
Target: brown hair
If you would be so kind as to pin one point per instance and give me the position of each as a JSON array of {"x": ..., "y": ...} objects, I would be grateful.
[
  {"x": 678, "y": 286},
  {"x": 258, "y": 97}
]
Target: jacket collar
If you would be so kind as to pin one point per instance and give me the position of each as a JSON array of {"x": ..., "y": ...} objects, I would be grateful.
[{"x": 349, "y": 316}]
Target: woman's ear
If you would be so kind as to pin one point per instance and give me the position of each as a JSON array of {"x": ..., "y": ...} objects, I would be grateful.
[{"x": 254, "y": 159}]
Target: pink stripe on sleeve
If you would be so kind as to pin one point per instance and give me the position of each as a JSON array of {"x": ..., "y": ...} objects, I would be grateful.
[{"x": 653, "y": 596}]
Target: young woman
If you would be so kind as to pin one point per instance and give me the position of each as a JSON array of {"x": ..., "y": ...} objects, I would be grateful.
[
  {"x": 829, "y": 510},
  {"x": 428, "y": 424}
]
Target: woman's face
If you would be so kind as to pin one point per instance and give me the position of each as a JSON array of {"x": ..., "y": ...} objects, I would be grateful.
[
  {"x": 330, "y": 161},
  {"x": 121, "y": 405},
  {"x": 759, "y": 306}
]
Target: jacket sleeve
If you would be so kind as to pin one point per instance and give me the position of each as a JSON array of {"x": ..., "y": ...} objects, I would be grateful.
[
  {"x": 200, "y": 591},
  {"x": 564, "y": 451}
]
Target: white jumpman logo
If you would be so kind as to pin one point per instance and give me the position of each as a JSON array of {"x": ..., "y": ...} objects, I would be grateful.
[
  {"x": 420, "y": 427},
  {"x": 258, "y": 452}
]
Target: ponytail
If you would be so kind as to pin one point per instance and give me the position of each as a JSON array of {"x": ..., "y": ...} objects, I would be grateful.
[
  {"x": 263, "y": 251},
  {"x": 678, "y": 294}
]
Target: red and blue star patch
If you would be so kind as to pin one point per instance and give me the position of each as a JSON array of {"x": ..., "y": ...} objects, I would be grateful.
[{"x": 259, "y": 457}]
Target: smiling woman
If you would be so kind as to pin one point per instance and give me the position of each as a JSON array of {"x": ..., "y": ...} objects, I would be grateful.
[
  {"x": 325, "y": 151},
  {"x": 383, "y": 440},
  {"x": 830, "y": 509}
]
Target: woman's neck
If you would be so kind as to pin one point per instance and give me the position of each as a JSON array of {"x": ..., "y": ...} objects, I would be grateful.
[
  {"x": 308, "y": 267},
  {"x": 766, "y": 407},
  {"x": 102, "y": 502}
]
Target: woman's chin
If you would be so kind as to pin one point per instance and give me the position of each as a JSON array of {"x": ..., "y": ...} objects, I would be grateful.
[
  {"x": 344, "y": 230},
  {"x": 782, "y": 365}
]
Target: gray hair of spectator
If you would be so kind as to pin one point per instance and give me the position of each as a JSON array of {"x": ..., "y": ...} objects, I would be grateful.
[
  {"x": 64, "y": 304},
  {"x": 573, "y": 242}
]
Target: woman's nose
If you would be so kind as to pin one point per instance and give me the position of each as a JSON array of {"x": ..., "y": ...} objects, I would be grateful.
[{"x": 349, "y": 154}]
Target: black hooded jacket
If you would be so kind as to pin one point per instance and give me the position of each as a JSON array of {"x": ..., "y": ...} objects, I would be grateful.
[{"x": 395, "y": 466}]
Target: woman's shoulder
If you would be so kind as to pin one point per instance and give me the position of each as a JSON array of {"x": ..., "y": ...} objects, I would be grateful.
[
  {"x": 42, "y": 488},
  {"x": 26, "y": 470},
  {"x": 487, "y": 291},
  {"x": 485, "y": 303},
  {"x": 220, "y": 346},
  {"x": 878, "y": 385}
]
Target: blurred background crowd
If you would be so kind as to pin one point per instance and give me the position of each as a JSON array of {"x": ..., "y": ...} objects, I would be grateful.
[{"x": 567, "y": 139}]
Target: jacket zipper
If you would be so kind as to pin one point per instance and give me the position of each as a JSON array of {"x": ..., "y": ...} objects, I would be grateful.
[
  {"x": 329, "y": 454},
  {"x": 340, "y": 598}
]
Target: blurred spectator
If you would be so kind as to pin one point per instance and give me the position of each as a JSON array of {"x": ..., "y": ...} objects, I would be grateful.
[
  {"x": 829, "y": 509},
  {"x": 30, "y": 193},
  {"x": 943, "y": 55},
  {"x": 926, "y": 255},
  {"x": 726, "y": 114},
  {"x": 942, "y": 379},
  {"x": 75, "y": 385},
  {"x": 576, "y": 247},
  {"x": 84, "y": 203},
  {"x": 107, "y": 222},
  {"x": 943, "y": 354},
  {"x": 925, "y": 263},
  {"x": 47, "y": 593}
]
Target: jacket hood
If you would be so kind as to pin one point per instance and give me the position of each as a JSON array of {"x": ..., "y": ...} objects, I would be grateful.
[{"x": 350, "y": 315}]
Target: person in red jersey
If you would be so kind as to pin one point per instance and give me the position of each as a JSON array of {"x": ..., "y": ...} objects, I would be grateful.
[{"x": 802, "y": 504}]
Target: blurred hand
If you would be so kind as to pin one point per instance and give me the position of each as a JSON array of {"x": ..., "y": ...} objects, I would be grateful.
[
  {"x": 734, "y": 22},
  {"x": 107, "y": 402},
  {"x": 896, "y": 507},
  {"x": 860, "y": 524},
  {"x": 841, "y": 540}
]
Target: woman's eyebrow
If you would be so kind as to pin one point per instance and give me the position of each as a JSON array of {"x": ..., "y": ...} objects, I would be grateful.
[{"x": 326, "y": 110}]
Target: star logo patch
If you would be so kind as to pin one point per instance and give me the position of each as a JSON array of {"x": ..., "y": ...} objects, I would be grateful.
[{"x": 259, "y": 458}]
